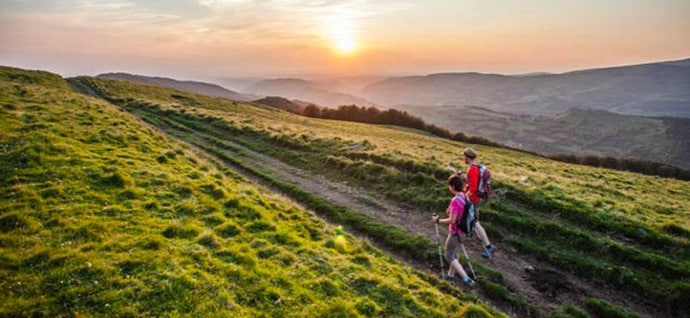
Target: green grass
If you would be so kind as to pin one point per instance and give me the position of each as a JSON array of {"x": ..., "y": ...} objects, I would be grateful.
[
  {"x": 602, "y": 309},
  {"x": 569, "y": 311},
  {"x": 103, "y": 215},
  {"x": 602, "y": 224}
]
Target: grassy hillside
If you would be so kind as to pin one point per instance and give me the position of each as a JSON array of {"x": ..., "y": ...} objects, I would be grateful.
[
  {"x": 186, "y": 86},
  {"x": 615, "y": 228},
  {"x": 578, "y": 132},
  {"x": 101, "y": 214}
]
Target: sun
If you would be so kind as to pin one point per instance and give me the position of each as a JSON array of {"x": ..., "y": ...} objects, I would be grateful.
[
  {"x": 341, "y": 35},
  {"x": 346, "y": 45}
]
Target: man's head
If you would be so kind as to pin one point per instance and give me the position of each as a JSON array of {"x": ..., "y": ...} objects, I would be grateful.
[{"x": 469, "y": 155}]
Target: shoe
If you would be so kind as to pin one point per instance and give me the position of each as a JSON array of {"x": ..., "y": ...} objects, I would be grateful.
[
  {"x": 448, "y": 277},
  {"x": 469, "y": 282},
  {"x": 488, "y": 252}
]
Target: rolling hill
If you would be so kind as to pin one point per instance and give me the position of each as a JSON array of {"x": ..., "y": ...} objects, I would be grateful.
[
  {"x": 308, "y": 91},
  {"x": 102, "y": 214},
  {"x": 281, "y": 103},
  {"x": 575, "y": 131},
  {"x": 185, "y": 86},
  {"x": 656, "y": 89}
]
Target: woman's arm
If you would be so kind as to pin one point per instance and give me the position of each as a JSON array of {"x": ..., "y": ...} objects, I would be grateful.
[{"x": 449, "y": 220}]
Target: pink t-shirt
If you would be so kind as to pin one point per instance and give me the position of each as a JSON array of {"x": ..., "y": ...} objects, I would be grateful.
[{"x": 455, "y": 207}]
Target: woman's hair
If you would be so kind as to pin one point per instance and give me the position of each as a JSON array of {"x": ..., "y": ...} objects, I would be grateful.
[{"x": 457, "y": 181}]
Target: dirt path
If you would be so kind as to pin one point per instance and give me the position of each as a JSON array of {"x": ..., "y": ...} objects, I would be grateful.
[{"x": 543, "y": 285}]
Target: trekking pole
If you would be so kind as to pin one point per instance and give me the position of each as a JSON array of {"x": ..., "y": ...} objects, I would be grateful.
[
  {"x": 438, "y": 244},
  {"x": 468, "y": 261}
]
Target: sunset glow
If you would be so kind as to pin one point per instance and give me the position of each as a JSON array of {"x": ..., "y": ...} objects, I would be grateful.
[
  {"x": 211, "y": 38},
  {"x": 342, "y": 35}
]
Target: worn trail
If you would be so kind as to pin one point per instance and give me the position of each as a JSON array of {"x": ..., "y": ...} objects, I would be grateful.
[{"x": 543, "y": 285}]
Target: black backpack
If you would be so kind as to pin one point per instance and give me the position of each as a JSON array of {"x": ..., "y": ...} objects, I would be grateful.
[{"x": 468, "y": 220}]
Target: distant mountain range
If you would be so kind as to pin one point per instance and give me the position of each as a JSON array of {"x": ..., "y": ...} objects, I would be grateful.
[
  {"x": 186, "y": 86},
  {"x": 657, "y": 89},
  {"x": 298, "y": 89}
]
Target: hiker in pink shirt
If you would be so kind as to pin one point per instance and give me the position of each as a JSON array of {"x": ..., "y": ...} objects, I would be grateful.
[{"x": 455, "y": 210}]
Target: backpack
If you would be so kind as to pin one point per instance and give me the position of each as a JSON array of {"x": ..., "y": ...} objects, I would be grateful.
[
  {"x": 484, "y": 186},
  {"x": 468, "y": 220}
]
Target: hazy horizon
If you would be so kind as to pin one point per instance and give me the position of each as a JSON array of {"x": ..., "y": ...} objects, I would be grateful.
[{"x": 214, "y": 39}]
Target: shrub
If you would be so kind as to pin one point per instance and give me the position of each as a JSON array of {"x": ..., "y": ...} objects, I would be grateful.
[
  {"x": 178, "y": 231},
  {"x": 340, "y": 309},
  {"x": 474, "y": 311},
  {"x": 228, "y": 230},
  {"x": 10, "y": 222},
  {"x": 569, "y": 311},
  {"x": 603, "y": 309},
  {"x": 209, "y": 240},
  {"x": 260, "y": 226},
  {"x": 115, "y": 180}
]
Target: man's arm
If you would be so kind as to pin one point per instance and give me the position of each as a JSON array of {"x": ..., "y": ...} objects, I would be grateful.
[{"x": 473, "y": 179}]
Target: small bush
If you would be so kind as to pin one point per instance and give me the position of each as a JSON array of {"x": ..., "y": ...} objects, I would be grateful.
[
  {"x": 340, "y": 309},
  {"x": 474, "y": 311},
  {"x": 128, "y": 194},
  {"x": 152, "y": 205},
  {"x": 228, "y": 230},
  {"x": 213, "y": 219},
  {"x": 260, "y": 226},
  {"x": 10, "y": 222},
  {"x": 151, "y": 244},
  {"x": 209, "y": 240},
  {"x": 569, "y": 311},
  {"x": 235, "y": 257},
  {"x": 214, "y": 191},
  {"x": 676, "y": 230},
  {"x": 603, "y": 309},
  {"x": 187, "y": 207},
  {"x": 368, "y": 308},
  {"x": 115, "y": 180},
  {"x": 177, "y": 231}
]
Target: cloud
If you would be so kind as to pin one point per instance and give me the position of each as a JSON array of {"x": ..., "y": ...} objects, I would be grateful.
[
  {"x": 279, "y": 35},
  {"x": 287, "y": 21},
  {"x": 217, "y": 3},
  {"x": 118, "y": 13}
]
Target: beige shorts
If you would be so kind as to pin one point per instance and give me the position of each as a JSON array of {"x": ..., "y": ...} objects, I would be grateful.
[{"x": 453, "y": 245}]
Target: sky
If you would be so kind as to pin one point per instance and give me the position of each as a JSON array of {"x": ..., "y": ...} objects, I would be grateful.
[{"x": 200, "y": 39}]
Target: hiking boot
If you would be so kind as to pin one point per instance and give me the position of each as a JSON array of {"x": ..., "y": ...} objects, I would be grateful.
[
  {"x": 448, "y": 277},
  {"x": 469, "y": 282},
  {"x": 488, "y": 252}
]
